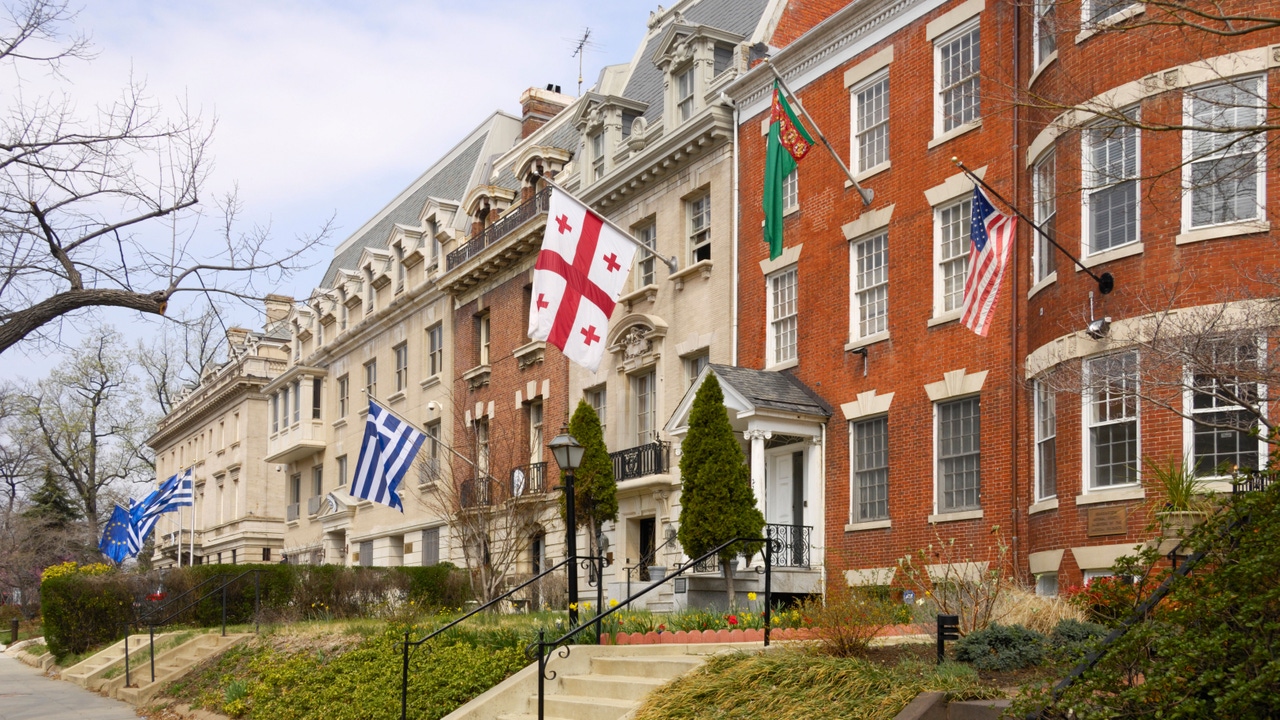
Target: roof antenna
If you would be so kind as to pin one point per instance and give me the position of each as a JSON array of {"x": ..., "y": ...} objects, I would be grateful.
[{"x": 579, "y": 51}]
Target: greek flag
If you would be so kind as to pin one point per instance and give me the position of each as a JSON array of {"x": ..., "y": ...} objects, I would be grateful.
[
  {"x": 389, "y": 447},
  {"x": 172, "y": 494}
]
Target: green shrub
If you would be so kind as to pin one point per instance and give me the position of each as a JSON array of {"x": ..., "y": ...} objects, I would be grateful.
[
  {"x": 442, "y": 585},
  {"x": 1001, "y": 647},
  {"x": 82, "y": 611},
  {"x": 1071, "y": 639}
]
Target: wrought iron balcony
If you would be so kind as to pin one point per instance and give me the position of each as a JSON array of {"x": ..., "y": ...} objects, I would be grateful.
[
  {"x": 792, "y": 544},
  {"x": 528, "y": 479},
  {"x": 515, "y": 217},
  {"x": 650, "y": 459},
  {"x": 477, "y": 493}
]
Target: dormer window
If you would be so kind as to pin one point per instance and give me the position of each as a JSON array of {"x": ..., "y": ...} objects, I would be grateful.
[
  {"x": 400, "y": 271},
  {"x": 722, "y": 58},
  {"x": 597, "y": 155},
  {"x": 684, "y": 94},
  {"x": 368, "y": 291}
]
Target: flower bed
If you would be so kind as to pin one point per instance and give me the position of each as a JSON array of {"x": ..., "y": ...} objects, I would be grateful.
[{"x": 737, "y": 635}]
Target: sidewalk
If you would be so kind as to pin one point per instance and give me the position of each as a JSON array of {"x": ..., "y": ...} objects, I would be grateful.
[{"x": 26, "y": 694}]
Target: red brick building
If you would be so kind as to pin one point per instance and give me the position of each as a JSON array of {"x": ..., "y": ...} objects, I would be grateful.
[{"x": 1077, "y": 115}]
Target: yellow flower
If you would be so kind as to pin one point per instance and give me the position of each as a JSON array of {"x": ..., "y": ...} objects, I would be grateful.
[
  {"x": 751, "y": 596},
  {"x": 613, "y": 602},
  {"x": 573, "y": 606}
]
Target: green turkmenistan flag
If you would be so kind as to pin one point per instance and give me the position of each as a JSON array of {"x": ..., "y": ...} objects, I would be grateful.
[{"x": 788, "y": 144}]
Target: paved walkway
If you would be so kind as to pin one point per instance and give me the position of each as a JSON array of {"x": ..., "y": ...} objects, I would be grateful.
[{"x": 26, "y": 694}]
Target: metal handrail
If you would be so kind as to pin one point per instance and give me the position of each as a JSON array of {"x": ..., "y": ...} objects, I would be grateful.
[
  {"x": 640, "y": 565},
  {"x": 515, "y": 217},
  {"x": 404, "y": 677},
  {"x": 143, "y": 618},
  {"x": 564, "y": 641}
]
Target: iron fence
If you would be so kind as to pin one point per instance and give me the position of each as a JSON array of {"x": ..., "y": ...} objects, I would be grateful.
[
  {"x": 529, "y": 479},
  {"x": 648, "y": 459},
  {"x": 514, "y": 218}
]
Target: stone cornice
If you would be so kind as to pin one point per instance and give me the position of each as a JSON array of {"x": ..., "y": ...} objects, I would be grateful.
[{"x": 674, "y": 150}]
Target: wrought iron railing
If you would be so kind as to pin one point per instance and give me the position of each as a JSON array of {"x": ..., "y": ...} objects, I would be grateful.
[
  {"x": 477, "y": 492},
  {"x": 648, "y": 459},
  {"x": 707, "y": 565},
  {"x": 515, "y": 217},
  {"x": 528, "y": 479},
  {"x": 1254, "y": 482},
  {"x": 791, "y": 544}
]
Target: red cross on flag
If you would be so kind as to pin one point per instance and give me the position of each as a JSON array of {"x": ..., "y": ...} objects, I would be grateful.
[{"x": 579, "y": 275}]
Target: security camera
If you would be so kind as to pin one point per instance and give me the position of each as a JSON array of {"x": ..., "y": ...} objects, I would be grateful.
[
  {"x": 1098, "y": 328},
  {"x": 433, "y": 406}
]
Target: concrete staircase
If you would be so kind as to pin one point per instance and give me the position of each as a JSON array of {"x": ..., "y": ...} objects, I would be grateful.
[
  {"x": 171, "y": 663},
  {"x": 93, "y": 671},
  {"x": 593, "y": 683}
]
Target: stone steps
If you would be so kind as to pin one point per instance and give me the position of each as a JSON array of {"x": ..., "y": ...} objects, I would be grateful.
[
  {"x": 171, "y": 664},
  {"x": 92, "y": 672}
]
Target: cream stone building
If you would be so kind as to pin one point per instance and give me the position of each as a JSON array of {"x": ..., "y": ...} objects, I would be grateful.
[{"x": 215, "y": 429}]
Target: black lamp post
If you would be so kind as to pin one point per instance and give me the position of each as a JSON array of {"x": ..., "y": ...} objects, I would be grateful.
[{"x": 568, "y": 454}]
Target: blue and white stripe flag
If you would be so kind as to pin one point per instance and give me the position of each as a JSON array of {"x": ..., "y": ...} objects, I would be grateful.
[
  {"x": 172, "y": 494},
  {"x": 389, "y": 447}
]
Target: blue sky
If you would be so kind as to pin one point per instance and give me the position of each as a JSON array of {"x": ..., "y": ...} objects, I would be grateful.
[{"x": 332, "y": 108}]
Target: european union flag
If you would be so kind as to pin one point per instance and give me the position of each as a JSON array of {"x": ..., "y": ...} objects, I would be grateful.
[{"x": 117, "y": 538}]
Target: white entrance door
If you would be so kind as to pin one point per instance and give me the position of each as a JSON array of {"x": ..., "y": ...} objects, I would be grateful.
[{"x": 781, "y": 490}]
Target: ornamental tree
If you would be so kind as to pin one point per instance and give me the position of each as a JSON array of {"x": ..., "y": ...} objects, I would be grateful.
[
  {"x": 717, "y": 503},
  {"x": 595, "y": 490}
]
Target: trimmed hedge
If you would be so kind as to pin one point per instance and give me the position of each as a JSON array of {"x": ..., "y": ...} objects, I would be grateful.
[
  {"x": 82, "y": 611},
  {"x": 1001, "y": 647}
]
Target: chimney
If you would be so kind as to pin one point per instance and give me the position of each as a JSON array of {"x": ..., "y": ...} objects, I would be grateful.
[
  {"x": 538, "y": 106},
  {"x": 278, "y": 307}
]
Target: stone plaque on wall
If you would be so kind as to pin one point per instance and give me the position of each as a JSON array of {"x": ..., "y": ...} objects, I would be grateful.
[{"x": 1106, "y": 521}]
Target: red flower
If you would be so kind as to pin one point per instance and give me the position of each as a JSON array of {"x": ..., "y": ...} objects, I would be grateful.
[
  {"x": 733, "y": 619},
  {"x": 661, "y": 628}
]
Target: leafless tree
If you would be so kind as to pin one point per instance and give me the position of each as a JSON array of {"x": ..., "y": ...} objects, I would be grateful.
[
  {"x": 179, "y": 356},
  {"x": 89, "y": 422},
  {"x": 496, "y": 520},
  {"x": 83, "y": 198}
]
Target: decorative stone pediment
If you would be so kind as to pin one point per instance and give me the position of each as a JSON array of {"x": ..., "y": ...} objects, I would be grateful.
[
  {"x": 540, "y": 160},
  {"x": 636, "y": 341},
  {"x": 489, "y": 200}
]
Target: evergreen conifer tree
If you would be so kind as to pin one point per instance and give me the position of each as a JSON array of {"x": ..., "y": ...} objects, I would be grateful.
[
  {"x": 51, "y": 504},
  {"x": 717, "y": 503},
  {"x": 595, "y": 490}
]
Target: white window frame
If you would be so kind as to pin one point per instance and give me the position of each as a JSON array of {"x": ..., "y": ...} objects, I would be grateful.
[
  {"x": 1191, "y": 158},
  {"x": 597, "y": 155},
  {"x": 1088, "y": 12},
  {"x": 481, "y": 429},
  {"x": 1189, "y": 410},
  {"x": 940, "y": 309},
  {"x": 435, "y": 349},
  {"x": 857, "y": 473},
  {"x": 433, "y": 445},
  {"x": 598, "y": 398},
  {"x": 344, "y": 395},
  {"x": 791, "y": 191},
  {"x": 1041, "y": 587},
  {"x": 644, "y": 395},
  {"x": 535, "y": 431},
  {"x": 647, "y": 235},
  {"x": 1093, "y": 185},
  {"x": 1044, "y": 26},
  {"x": 861, "y": 162},
  {"x": 938, "y": 479},
  {"x": 1046, "y": 431},
  {"x": 859, "y": 293},
  {"x": 693, "y": 365},
  {"x": 941, "y": 121},
  {"x": 401, "y": 352},
  {"x": 684, "y": 86},
  {"x": 1044, "y": 188},
  {"x": 1088, "y": 421},
  {"x": 371, "y": 380},
  {"x": 783, "y": 330},
  {"x": 698, "y": 210},
  {"x": 485, "y": 331}
]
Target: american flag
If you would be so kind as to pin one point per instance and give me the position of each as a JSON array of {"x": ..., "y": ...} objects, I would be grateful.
[{"x": 991, "y": 234}]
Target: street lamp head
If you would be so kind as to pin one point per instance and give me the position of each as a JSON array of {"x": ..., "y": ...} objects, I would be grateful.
[{"x": 567, "y": 450}]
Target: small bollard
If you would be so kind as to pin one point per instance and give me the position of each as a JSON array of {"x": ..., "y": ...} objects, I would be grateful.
[
  {"x": 948, "y": 629},
  {"x": 13, "y": 631}
]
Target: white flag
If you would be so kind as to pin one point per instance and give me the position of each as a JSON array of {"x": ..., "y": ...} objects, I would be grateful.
[{"x": 579, "y": 275}]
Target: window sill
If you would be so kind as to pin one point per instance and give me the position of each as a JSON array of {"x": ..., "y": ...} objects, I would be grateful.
[
  {"x": 1089, "y": 31},
  {"x": 429, "y": 382},
  {"x": 944, "y": 318},
  {"x": 872, "y": 525},
  {"x": 954, "y": 133},
  {"x": 1043, "y": 506},
  {"x": 477, "y": 376},
  {"x": 955, "y": 516},
  {"x": 1247, "y": 227},
  {"x": 339, "y": 423},
  {"x": 529, "y": 354},
  {"x": 1044, "y": 282},
  {"x": 1128, "y": 492},
  {"x": 1106, "y": 256},
  {"x": 702, "y": 266},
  {"x": 791, "y": 210},
  {"x": 396, "y": 397},
  {"x": 783, "y": 365},
  {"x": 647, "y": 292},
  {"x": 869, "y": 173},
  {"x": 1035, "y": 74},
  {"x": 866, "y": 341}
]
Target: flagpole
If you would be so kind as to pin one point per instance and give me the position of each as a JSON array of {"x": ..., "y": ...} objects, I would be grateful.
[
  {"x": 415, "y": 426},
  {"x": 1106, "y": 283},
  {"x": 673, "y": 265},
  {"x": 865, "y": 193}
]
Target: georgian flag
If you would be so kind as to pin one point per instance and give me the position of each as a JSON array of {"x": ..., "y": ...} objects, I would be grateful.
[
  {"x": 991, "y": 234},
  {"x": 577, "y": 280}
]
